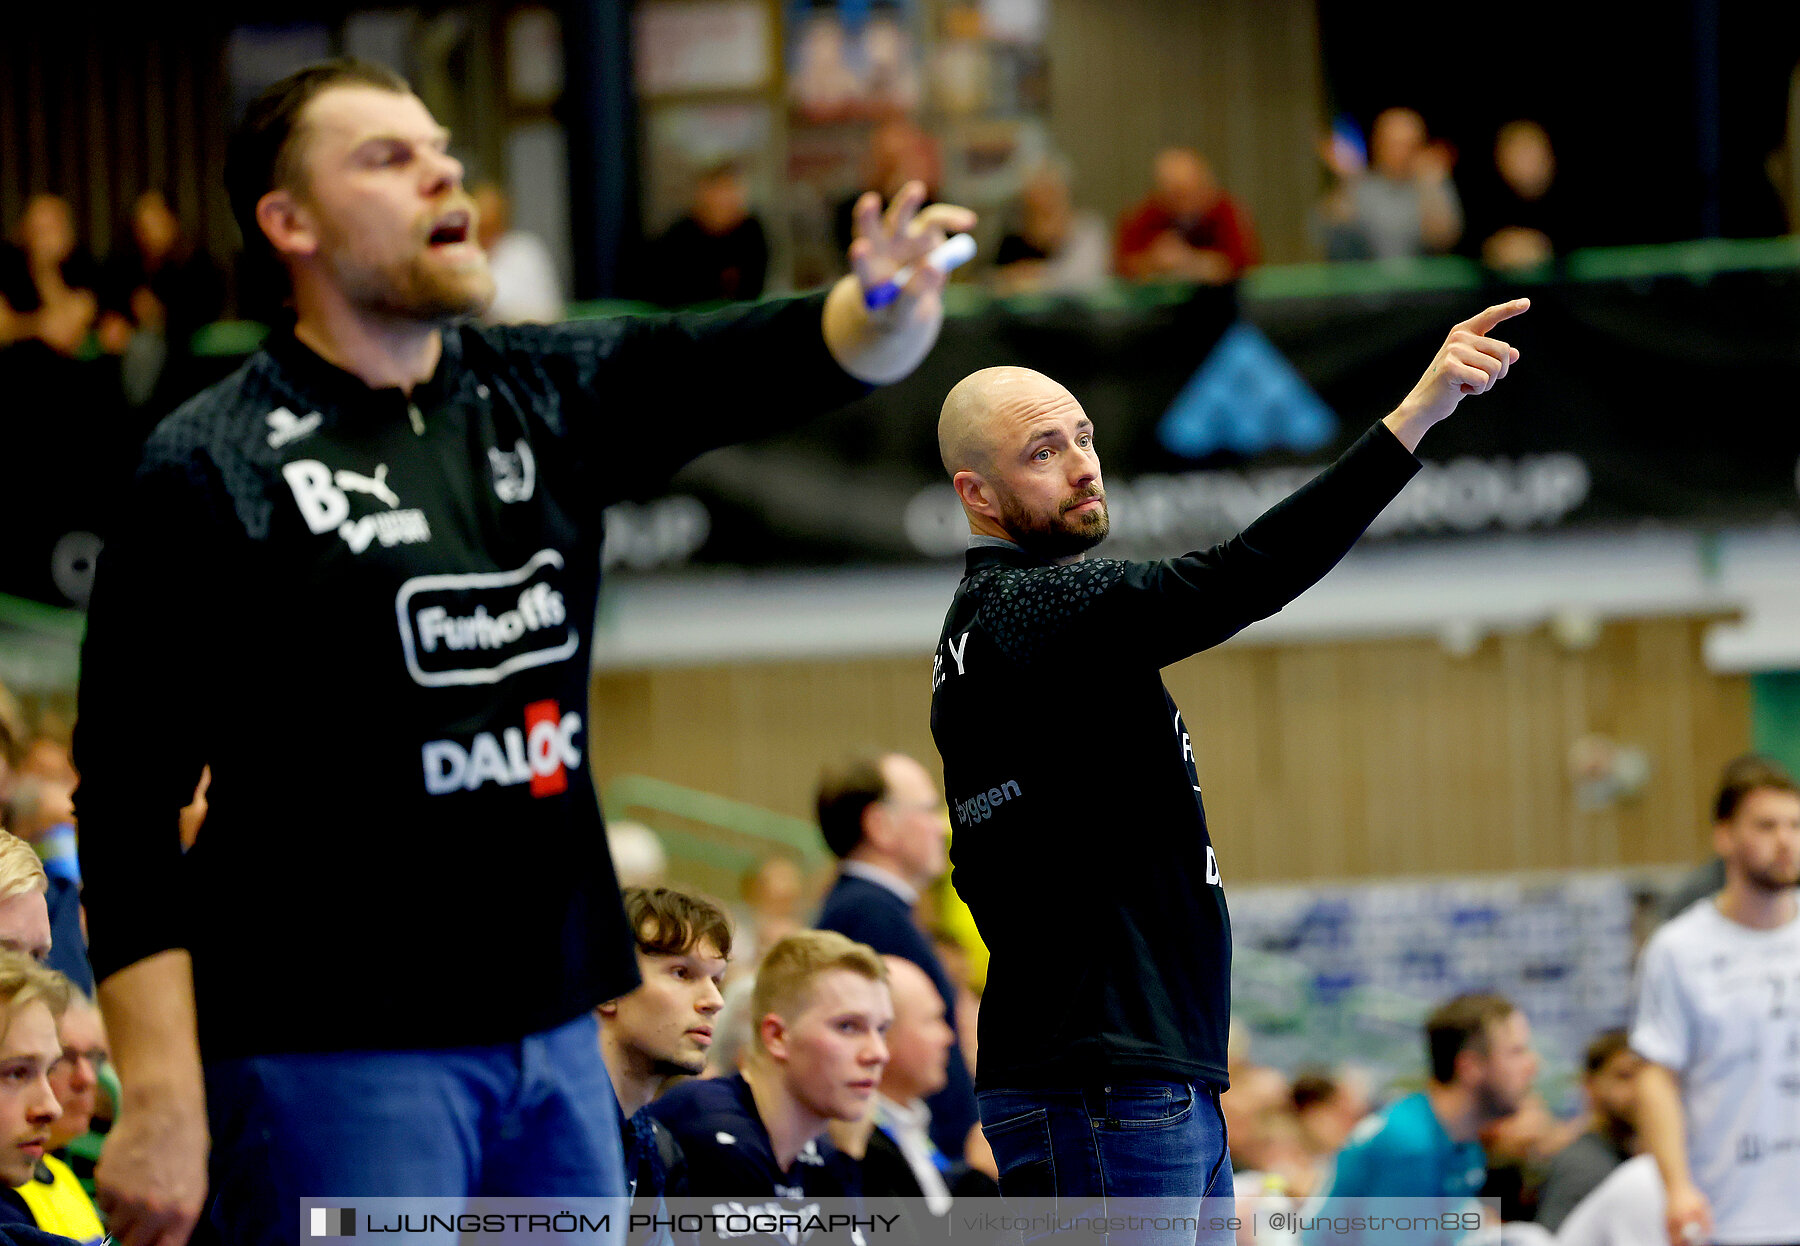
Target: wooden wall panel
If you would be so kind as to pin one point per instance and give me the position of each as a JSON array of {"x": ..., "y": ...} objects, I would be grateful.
[
  {"x": 1332, "y": 760},
  {"x": 1239, "y": 79}
]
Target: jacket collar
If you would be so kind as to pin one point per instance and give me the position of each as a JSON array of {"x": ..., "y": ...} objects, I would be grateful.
[{"x": 333, "y": 390}]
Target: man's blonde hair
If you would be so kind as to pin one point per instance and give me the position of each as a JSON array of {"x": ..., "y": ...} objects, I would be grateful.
[
  {"x": 23, "y": 981},
  {"x": 785, "y": 978},
  {"x": 21, "y": 873}
]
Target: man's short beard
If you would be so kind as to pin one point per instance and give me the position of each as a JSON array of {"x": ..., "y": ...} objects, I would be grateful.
[
  {"x": 666, "y": 1067},
  {"x": 1063, "y": 536},
  {"x": 417, "y": 295},
  {"x": 1491, "y": 1106},
  {"x": 1769, "y": 882},
  {"x": 411, "y": 291}
]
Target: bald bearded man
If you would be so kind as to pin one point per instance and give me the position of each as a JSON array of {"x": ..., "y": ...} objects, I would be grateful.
[{"x": 1104, "y": 1021}]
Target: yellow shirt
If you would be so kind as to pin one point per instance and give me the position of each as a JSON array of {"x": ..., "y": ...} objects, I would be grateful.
[{"x": 60, "y": 1205}]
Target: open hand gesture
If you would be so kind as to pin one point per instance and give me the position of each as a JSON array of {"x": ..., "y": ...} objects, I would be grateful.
[{"x": 888, "y": 242}]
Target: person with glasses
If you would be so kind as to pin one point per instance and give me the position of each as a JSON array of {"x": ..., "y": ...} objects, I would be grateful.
[
  {"x": 80, "y": 1078},
  {"x": 883, "y": 818}
]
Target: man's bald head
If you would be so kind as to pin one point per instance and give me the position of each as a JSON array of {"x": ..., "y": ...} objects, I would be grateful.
[
  {"x": 1020, "y": 453},
  {"x": 984, "y": 404}
]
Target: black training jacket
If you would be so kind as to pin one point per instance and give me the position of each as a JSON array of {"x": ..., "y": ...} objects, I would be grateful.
[
  {"x": 373, "y": 619},
  {"x": 1079, "y": 838}
]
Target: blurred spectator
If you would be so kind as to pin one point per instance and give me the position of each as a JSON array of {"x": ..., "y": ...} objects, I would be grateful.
[
  {"x": 1402, "y": 205},
  {"x": 47, "y": 279},
  {"x": 821, "y": 82},
  {"x": 1626, "y": 1209},
  {"x": 155, "y": 291},
  {"x": 1425, "y": 1145},
  {"x": 1328, "y": 1107},
  {"x": 1519, "y": 1148},
  {"x": 732, "y": 1028},
  {"x": 899, "y": 152},
  {"x": 526, "y": 287},
  {"x": 1188, "y": 229},
  {"x": 716, "y": 251},
  {"x": 1610, "y": 1084},
  {"x": 75, "y": 1078},
  {"x": 774, "y": 896},
  {"x": 24, "y": 917},
  {"x": 884, "y": 819},
  {"x": 41, "y": 812},
  {"x": 965, "y": 1017},
  {"x": 40, "y": 915},
  {"x": 1055, "y": 248},
  {"x": 1742, "y": 776},
  {"x": 1280, "y": 1161},
  {"x": 9, "y": 746},
  {"x": 48, "y": 758},
  {"x": 1517, "y": 218},
  {"x": 639, "y": 859},
  {"x": 1255, "y": 1090}
]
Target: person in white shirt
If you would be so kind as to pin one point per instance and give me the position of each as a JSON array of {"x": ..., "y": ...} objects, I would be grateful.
[
  {"x": 1626, "y": 1209},
  {"x": 1718, "y": 1021},
  {"x": 527, "y": 289}
]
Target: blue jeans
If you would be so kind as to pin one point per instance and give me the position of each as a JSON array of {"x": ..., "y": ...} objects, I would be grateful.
[
  {"x": 530, "y": 1118},
  {"x": 1079, "y": 1149}
]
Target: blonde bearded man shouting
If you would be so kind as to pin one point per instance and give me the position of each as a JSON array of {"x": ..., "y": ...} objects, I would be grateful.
[{"x": 386, "y": 527}]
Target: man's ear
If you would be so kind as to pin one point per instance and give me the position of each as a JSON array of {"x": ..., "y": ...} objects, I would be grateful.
[
  {"x": 774, "y": 1034},
  {"x": 874, "y": 821},
  {"x": 1721, "y": 838},
  {"x": 287, "y": 224},
  {"x": 1470, "y": 1064},
  {"x": 975, "y": 493},
  {"x": 609, "y": 1009}
]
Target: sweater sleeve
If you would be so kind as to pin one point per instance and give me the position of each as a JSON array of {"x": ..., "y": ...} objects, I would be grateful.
[
  {"x": 646, "y": 394},
  {"x": 1177, "y": 607},
  {"x": 137, "y": 739}
]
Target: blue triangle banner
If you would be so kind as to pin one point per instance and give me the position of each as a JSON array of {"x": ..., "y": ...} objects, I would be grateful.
[{"x": 1247, "y": 398}]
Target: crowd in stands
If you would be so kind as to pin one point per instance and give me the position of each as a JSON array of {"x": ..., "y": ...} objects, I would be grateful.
[
  {"x": 823, "y": 1044},
  {"x": 1400, "y": 194},
  {"x": 776, "y": 1108}
]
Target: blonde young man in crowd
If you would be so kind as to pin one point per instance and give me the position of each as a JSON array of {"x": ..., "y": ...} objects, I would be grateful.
[
  {"x": 40, "y": 915},
  {"x": 24, "y": 916},
  {"x": 40, "y": 1190},
  {"x": 822, "y": 1012}
]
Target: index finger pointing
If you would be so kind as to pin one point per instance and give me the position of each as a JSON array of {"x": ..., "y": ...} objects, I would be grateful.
[{"x": 1482, "y": 322}]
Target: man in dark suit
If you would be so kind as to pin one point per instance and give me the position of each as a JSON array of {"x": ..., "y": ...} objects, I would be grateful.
[{"x": 883, "y": 817}]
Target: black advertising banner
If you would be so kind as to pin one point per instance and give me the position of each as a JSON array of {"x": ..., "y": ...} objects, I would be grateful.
[
  {"x": 1629, "y": 404},
  {"x": 1663, "y": 400}
]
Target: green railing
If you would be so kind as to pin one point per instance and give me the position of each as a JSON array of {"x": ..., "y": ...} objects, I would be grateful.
[
  {"x": 712, "y": 840},
  {"x": 40, "y": 646},
  {"x": 1699, "y": 260}
]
